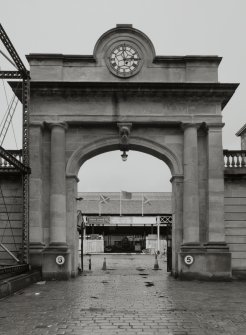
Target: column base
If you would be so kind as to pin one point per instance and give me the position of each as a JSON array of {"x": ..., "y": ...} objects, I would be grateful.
[
  {"x": 50, "y": 269},
  {"x": 208, "y": 262},
  {"x": 35, "y": 254},
  {"x": 216, "y": 246}
]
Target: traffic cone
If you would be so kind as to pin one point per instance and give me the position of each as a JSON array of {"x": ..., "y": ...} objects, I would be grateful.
[
  {"x": 156, "y": 266},
  {"x": 104, "y": 264}
]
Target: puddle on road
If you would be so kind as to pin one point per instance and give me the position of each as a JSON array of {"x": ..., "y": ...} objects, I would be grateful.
[
  {"x": 149, "y": 284},
  {"x": 41, "y": 326},
  {"x": 107, "y": 272},
  {"x": 93, "y": 309}
]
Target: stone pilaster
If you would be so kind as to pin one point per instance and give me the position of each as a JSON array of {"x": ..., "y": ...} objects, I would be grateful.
[
  {"x": 57, "y": 185},
  {"x": 36, "y": 187},
  {"x": 218, "y": 255},
  {"x": 191, "y": 193},
  {"x": 177, "y": 219},
  {"x": 58, "y": 209},
  {"x": 210, "y": 261},
  {"x": 216, "y": 230},
  {"x": 72, "y": 232}
]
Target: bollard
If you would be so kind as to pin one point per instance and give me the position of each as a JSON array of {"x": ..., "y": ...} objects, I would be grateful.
[
  {"x": 90, "y": 262},
  {"x": 104, "y": 264},
  {"x": 156, "y": 266}
]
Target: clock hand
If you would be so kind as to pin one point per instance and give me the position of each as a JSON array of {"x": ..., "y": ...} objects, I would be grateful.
[
  {"x": 124, "y": 52},
  {"x": 133, "y": 58}
]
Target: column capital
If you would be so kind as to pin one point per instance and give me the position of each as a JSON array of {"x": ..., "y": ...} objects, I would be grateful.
[
  {"x": 214, "y": 126},
  {"x": 73, "y": 176},
  {"x": 36, "y": 124},
  {"x": 187, "y": 125},
  {"x": 63, "y": 125}
]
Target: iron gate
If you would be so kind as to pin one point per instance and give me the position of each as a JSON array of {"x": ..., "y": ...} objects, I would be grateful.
[{"x": 167, "y": 221}]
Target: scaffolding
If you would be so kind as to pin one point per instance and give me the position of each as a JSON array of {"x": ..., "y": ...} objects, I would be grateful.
[{"x": 11, "y": 161}]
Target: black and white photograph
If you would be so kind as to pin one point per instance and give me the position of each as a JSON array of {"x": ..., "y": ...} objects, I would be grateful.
[{"x": 122, "y": 167}]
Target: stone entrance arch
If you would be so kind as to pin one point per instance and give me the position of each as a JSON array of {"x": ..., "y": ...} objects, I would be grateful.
[
  {"x": 90, "y": 150},
  {"x": 147, "y": 146},
  {"x": 172, "y": 107}
]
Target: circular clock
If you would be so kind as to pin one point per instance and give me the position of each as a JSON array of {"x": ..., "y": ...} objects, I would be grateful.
[{"x": 124, "y": 60}]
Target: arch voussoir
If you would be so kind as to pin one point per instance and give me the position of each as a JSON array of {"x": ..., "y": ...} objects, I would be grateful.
[{"x": 85, "y": 152}]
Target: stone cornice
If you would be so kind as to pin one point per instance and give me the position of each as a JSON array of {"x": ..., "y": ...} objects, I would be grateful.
[
  {"x": 91, "y": 58},
  {"x": 187, "y": 59},
  {"x": 218, "y": 91},
  {"x": 60, "y": 57}
]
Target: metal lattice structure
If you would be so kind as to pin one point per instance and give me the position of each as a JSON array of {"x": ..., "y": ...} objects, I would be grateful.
[
  {"x": 8, "y": 119},
  {"x": 14, "y": 55},
  {"x": 25, "y": 142},
  {"x": 167, "y": 219},
  {"x": 23, "y": 167},
  {"x": 10, "y": 75},
  {"x": 13, "y": 162}
]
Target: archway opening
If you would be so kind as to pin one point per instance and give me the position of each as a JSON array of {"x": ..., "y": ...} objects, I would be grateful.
[
  {"x": 125, "y": 206},
  {"x": 140, "y": 173}
]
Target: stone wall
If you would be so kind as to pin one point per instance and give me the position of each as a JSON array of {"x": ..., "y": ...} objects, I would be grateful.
[
  {"x": 235, "y": 221},
  {"x": 11, "y": 211}
]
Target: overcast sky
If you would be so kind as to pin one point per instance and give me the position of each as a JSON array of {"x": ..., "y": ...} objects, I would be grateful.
[{"x": 176, "y": 27}]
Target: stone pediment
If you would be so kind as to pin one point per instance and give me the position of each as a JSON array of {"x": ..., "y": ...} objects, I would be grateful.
[
  {"x": 124, "y": 54},
  {"x": 124, "y": 34}
]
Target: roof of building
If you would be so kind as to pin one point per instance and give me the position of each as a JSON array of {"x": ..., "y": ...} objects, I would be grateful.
[
  {"x": 155, "y": 203},
  {"x": 241, "y": 130}
]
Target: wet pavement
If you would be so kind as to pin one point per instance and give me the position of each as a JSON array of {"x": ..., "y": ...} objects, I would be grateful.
[{"x": 128, "y": 298}]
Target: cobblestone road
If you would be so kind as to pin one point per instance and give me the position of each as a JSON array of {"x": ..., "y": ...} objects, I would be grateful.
[{"x": 128, "y": 298}]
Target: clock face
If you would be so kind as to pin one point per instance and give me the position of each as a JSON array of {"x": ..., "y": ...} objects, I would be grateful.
[{"x": 124, "y": 60}]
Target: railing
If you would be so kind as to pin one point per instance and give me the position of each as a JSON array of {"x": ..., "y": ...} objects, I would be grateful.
[
  {"x": 166, "y": 220},
  {"x": 6, "y": 165},
  {"x": 234, "y": 159}
]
